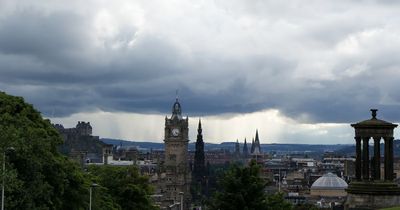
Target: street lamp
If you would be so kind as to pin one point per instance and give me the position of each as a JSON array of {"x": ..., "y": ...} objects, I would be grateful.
[
  {"x": 279, "y": 180},
  {"x": 181, "y": 194},
  {"x": 90, "y": 194},
  {"x": 4, "y": 174}
]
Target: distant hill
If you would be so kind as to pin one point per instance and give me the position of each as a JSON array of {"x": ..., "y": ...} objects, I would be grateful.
[
  {"x": 313, "y": 150},
  {"x": 278, "y": 148},
  {"x": 140, "y": 144},
  {"x": 155, "y": 145},
  {"x": 351, "y": 149}
]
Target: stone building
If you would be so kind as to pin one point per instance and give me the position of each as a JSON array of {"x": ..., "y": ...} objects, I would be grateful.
[
  {"x": 80, "y": 145},
  {"x": 176, "y": 188},
  {"x": 130, "y": 153}
]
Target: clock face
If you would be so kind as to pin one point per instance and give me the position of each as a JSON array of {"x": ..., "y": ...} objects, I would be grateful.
[{"x": 175, "y": 132}]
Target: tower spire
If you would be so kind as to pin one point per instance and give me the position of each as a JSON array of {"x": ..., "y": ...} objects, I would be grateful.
[
  {"x": 257, "y": 146},
  {"x": 199, "y": 158},
  {"x": 199, "y": 129},
  {"x": 252, "y": 146},
  {"x": 237, "y": 148},
  {"x": 245, "y": 150},
  {"x": 257, "y": 140}
]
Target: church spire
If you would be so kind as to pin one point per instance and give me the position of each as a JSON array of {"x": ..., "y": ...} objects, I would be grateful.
[
  {"x": 257, "y": 146},
  {"x": 245, "y": 150},
  {"x": 257, "y": 140},
  {"x": 252, "y": 146},
  {"x": 199, "y": 132},
  {"x": 237, "y": 148},
  {"x": 199, "y": 158},
  {"x": 199, "y": 129}
]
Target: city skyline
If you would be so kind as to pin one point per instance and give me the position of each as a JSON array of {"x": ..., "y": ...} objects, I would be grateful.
[
  {"x": 299, "y": 72},
  {"x": 294, "y": 133}
]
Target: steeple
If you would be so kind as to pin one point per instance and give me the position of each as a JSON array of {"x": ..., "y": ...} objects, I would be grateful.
[
  {"x": 199, "y": 129},
  {"x": 252, "y": 146},
  {"x": 199, "y": 133},
  {"x": 199, "y": 158},
  {"x": 257, "y": 141},
  {"x": 237, "y": 148},
  {"x": 257, "y": 147},
  {"x": 245, "y": 150}
]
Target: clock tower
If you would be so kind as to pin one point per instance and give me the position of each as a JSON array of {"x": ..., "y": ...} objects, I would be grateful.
[{"x": 176, "y": 139}]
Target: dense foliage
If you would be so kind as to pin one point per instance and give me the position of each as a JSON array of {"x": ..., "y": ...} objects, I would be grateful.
[
  {"x": 242, "y": 188},
  {"x": 305, "y": 206},
  {"x": 38, "y": 177},
  {"x": 126, "y": 187}
]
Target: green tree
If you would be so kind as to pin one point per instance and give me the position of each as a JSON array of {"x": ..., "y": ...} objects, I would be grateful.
[
  {"x": 242, "y": 188},
  {"x": 277, "y": 202},
  {"x": 305, "y": 206},
  {"x": 125, "y": 185},
  {"x": 38, "y": 176}
]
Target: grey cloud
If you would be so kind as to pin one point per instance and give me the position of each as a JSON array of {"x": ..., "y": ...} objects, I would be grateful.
[
  {"x": 54, "y": 60},
  {"x": 51, "y": 38}
]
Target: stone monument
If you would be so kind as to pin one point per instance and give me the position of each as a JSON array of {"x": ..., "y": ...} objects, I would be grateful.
[{"x": 371, "y": 190}]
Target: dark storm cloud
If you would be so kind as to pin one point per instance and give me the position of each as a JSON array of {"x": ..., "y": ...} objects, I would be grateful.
[{"x": 330, "y": 65}]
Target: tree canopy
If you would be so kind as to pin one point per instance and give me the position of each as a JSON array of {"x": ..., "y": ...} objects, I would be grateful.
[
  {"x": 125, "y": 186},
  {"x": 37, "y": 176},
  {"x": 242, "y": 188}
]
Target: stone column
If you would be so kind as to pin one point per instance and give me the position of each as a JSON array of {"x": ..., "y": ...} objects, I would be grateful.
[
  {"x": 389, "y": 158},
  {"x": 365, "y": 157},
  {"x": 377, "y": 154},
  {"x": 358, "y": 158},
  {"x": 391, "y": 171},
  {"x": 385, "y": 164}
]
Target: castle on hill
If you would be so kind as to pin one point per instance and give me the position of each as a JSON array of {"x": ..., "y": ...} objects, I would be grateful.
[{"x": 80, "y": 145}]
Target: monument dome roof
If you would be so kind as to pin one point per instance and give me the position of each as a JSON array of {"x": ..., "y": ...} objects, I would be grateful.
[
  {"x": 329, "y": 181},
  {"x": 373, "y": 122}
]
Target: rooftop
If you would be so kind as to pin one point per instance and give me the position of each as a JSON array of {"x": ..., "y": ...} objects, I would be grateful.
[{"x": 329, "y": 181}]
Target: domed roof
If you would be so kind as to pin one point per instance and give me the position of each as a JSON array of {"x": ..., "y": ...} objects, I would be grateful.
[
  {"x": 374, "y": 122},
  {"x": 329, "y": 181}
]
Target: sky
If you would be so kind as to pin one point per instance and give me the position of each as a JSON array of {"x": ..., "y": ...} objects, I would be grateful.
[{"x": 298, "y": 71}]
